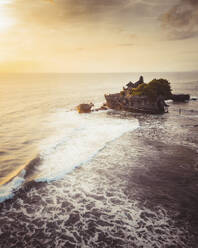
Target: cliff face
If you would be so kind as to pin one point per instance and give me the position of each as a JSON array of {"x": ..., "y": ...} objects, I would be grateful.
[
  {"x": 136, "y": 103},
  {"x": 141, "y": 97}
]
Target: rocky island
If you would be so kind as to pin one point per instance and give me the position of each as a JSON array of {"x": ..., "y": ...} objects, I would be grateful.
[
  {"x": 139, "y": 97},
  {"x": 142, "y": 97}
]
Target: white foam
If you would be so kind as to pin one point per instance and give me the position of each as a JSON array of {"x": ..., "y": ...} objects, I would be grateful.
[
  {"x": 78, "y": 138},
  {"x": 8, "y": 189}
]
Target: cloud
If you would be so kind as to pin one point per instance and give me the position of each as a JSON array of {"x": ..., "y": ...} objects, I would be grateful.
[
  {"x": 64, "y": 12},
  {"x": 181, "y": 21}
]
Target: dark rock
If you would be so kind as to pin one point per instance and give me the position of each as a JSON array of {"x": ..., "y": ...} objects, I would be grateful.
[
  {"x": 84, "y": 108},
  {"x": 180, "y": 97},
  {"x": 140, "y": 104}
]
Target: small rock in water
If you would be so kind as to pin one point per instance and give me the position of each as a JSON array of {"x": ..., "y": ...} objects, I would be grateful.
[
  {"x": 180, "y": 97},
  {"x": 84, "y": 107}
]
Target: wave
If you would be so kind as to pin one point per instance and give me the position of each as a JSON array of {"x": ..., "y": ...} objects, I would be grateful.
[
  {"x": 32, "y": 166},
  {"x": 18, "y": 178},
  {"x": 76, "y": 140},
  {"x": 7, "y": 190}
]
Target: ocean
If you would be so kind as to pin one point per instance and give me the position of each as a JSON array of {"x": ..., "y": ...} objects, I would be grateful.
[{"x": 105, "y": 179}]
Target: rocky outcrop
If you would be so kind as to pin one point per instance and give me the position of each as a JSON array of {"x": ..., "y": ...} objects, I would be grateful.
[
  {"x": 84, "y": 108},
  {"x": 140, "y": 104},
  {"x": 139, "y": 97},
  {"x": 180, "y": 98}
]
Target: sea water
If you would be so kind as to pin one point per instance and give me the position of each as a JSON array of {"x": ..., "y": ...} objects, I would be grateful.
[
  {"x": 40, "y": 130},
  {"x": 105, "y": 179}
]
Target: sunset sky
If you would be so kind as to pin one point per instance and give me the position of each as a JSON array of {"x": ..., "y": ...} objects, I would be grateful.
[{"x": 98, "y": 35}]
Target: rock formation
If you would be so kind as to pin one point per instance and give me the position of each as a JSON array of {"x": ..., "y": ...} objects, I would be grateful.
[
  {"x": 84, "y": 108},
  {"x": 141, "y": 97},
  {"x": 140, "y": 104},
  {"x": 180, "y": 98}
]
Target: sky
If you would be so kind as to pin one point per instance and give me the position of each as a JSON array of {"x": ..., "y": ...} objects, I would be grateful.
[{"x": 98, "y": 35}]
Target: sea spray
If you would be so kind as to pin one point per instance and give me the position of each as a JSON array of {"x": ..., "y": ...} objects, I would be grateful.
[{"x": 77, "y": 139}]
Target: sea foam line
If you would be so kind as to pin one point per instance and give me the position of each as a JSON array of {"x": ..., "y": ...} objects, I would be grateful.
[{"x": 7, "y": 190}]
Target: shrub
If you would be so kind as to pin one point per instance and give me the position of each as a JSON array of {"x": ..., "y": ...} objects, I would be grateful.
[{"x": 153, "y": 89}]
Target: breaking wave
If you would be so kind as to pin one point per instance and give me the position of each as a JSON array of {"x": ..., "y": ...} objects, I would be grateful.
[
  {"x": 76, "y": 140},
  {"x": 8, "y": 189}
]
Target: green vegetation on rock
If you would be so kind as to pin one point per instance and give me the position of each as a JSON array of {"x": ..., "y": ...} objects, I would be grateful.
[{"x": 153, "y": 89}]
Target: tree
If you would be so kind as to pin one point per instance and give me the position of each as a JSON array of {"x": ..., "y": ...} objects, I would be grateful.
[{"x": 154, "y": 89}]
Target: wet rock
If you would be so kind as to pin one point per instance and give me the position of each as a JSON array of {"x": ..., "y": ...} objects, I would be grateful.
[
  {"x": 141, "y": 104},
  {"x": 84, "y": 108},
  {"x": 180, "y": 97}
]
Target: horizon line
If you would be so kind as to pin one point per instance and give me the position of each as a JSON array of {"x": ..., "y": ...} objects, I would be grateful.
[{"x": 127, "y": 72}]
